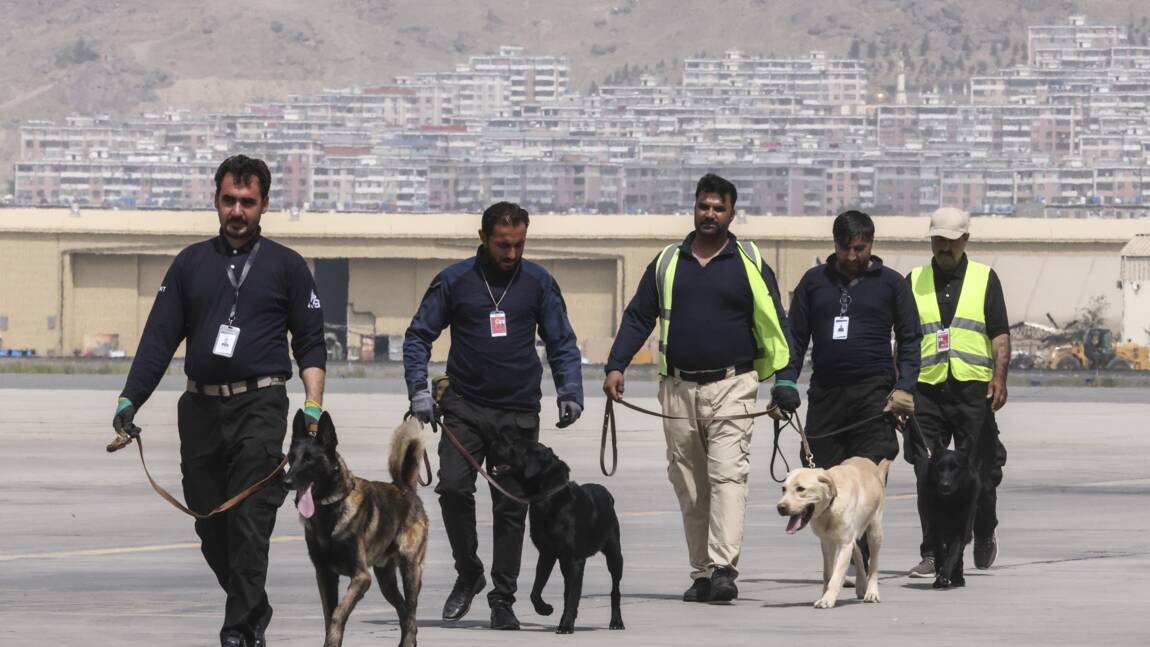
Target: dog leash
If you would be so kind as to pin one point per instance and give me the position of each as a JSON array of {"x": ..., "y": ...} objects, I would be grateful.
[
  {"x": 125, "y": 437},
  {"x": 609, "y": 427},
  {"x": 426, "y": 460},
  {"x": 477, "y": 467}
]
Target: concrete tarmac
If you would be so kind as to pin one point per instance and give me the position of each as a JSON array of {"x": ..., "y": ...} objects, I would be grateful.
[{"x": 89, "y": 555}]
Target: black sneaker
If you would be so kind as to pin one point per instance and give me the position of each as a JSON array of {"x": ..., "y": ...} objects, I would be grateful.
[
  {"x": 700, "y": 591},
  {"x": 723, "y": 587},
  {"x": 985, "y": 552},
  {"x": 232, "y": 640},
  {"x": 502, "y": 617},
  {"x": 459, "y": 602}
]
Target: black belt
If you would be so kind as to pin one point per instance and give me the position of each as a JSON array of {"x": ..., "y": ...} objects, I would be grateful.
[
  {"x": 706, "y": 377},
  {"x": 235, "y": 388}
]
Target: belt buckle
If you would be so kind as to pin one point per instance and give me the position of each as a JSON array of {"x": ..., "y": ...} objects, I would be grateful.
[{"x": 226, "y": 390}]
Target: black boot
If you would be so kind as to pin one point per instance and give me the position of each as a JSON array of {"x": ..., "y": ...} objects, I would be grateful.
[
  {"x": 502, "y": 617},
  {"x": 723, "y": 587},
  {"x": 700, "y": 591},
  {"x": 459, "y": 602}
]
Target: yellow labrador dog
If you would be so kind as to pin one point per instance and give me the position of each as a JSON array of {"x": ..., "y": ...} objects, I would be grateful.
[{"x": 841, "y": 504}]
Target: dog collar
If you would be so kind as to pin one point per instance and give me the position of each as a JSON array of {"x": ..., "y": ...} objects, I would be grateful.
[{"x": 347, "y": 485}]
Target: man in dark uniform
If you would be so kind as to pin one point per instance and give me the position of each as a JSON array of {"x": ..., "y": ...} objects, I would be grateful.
[
  {"x": 234, "y": 298},
  {"x": 848, "y": 307},
  {"x": 494, "y": 303},
  {"x": 965, "y": 357},
  {"x": 729, "y": 333}
]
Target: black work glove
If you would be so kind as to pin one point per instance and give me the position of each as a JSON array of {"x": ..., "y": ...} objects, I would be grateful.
[
  {"x": 569, "y": 412},
  {"x": 423, "y": 406},
  {"x": 122, "y": 422},
  {"x": 786, "y": 396}
]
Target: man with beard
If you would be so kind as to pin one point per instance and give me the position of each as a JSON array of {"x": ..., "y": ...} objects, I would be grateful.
[
  {"x": 965, "y": 356},
  {"x": 848, "y": 307},
  {"x": 728, "y": 334},
  {"x": 234, "y": 298},
  {"x": 495, "y": 303}
]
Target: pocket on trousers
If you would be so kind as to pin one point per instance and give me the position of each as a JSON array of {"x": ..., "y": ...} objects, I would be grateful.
[{"x": 527, "y": 424}]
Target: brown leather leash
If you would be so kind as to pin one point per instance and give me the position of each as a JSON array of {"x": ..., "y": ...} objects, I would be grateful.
[
  {"x": 124, "y": 438},
  {"x": 426, "y": 460},
  {"x": 477, "y": 467}
]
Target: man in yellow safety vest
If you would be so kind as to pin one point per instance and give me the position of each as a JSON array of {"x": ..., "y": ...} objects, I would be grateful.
[
  {"x": 728, "y": 333},
  {"x": 962, "y": 382}
]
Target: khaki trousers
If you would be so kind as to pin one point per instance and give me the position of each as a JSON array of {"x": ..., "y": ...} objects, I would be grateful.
[{"x": 708, "y": 464}]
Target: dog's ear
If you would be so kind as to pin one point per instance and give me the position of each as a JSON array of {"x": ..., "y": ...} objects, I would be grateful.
[
  {"x": 299, "y": 426},
  {"x": 826, "y": 480},
  {"x": 326, "y": 433}
]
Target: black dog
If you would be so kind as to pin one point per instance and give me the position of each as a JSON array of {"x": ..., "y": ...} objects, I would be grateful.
[
  {"x": 354, "y": 526},
  {"x": 569, "y": 523},
  {"x": 948, "y": 489}
]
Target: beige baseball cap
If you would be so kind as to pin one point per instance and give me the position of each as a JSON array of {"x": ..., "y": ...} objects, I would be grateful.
[{"x": 949, "y": 222}]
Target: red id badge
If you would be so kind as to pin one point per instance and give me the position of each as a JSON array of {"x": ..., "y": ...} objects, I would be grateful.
[
  {"x": 942, "y": 341},
  {"x": 498, "y": 321}
]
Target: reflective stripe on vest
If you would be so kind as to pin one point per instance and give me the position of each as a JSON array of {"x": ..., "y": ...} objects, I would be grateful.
[
  {"x": 970, "y": 358},
  {"x": 771, "y": 350}
]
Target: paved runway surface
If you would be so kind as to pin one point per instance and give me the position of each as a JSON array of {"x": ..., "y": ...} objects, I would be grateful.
[{"x": 90, "y": 556}]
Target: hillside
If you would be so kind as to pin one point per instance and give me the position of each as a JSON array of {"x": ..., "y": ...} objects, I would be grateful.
[{"x": 127, "y": 56}]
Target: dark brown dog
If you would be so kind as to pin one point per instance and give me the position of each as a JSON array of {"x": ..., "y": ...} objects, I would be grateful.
[{"x": 354, "y": 526}]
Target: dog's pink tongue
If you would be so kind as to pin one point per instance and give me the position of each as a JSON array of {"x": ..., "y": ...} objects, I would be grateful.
[
  {"x": 305, "y": 504},
  {"x": 795, "y": 524}
]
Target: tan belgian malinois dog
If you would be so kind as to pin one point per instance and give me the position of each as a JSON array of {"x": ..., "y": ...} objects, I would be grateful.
[{"x": 354, "y": 526}]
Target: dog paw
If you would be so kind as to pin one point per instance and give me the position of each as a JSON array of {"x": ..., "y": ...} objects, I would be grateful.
[
  {"x": 542, "y": 608},
  {"x": 825, "y": 602},
  {"x": 565, "y": 629},
  {"x": 941, "y": 583},
  {"x": 616, "y": 624},
  {"x": 871, "y": 596}
]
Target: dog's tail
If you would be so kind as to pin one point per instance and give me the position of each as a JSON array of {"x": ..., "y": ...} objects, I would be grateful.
[
  {"x": 406, "y": 452},
  {"x": 884, "y": 469}
]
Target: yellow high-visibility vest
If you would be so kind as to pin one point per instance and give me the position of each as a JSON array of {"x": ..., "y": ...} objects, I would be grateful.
[
  {"x": 964, "y": 349},
  {"x": 771, "y": 350}
]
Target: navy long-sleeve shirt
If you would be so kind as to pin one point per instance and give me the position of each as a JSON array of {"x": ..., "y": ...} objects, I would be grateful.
[
  {"x": 498, "y": 372},
  {"x": 713, "y": 324},
  {"x": 195, "y": 298},
  {"x": 880, "y": 301}
]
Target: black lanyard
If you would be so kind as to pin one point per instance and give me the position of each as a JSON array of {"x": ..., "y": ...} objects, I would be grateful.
[{"x": 243, "y": 277}]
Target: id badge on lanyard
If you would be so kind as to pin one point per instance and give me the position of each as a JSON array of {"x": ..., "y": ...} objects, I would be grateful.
[
  {"x": 226, "y": 341},
  {"x": 498, "y": 321},
  {"x": 229, "y": 335},
  {"x": 942, "y": 341}
]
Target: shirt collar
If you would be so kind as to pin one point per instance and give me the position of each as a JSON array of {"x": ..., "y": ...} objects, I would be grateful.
[
  {"x": 873, "y": 270},
  {"x": 958, "y": 273},
  {"x": 685, "y": 246},
  {"x": 226, "y": 247}
]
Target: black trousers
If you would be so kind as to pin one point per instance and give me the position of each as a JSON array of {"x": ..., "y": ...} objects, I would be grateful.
[
  {"x": 226, "y": 444},
  {"x": 959, "y": 412},
  {"x": 830, "y": 408},
  {"x": 477, "y": 428}
]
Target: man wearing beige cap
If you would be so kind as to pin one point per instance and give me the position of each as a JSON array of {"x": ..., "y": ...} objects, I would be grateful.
[{"x": 962, "y": 382}]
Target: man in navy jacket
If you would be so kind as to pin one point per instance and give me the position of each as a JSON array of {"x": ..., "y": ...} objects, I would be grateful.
[{"x": 494, "y": 302}]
